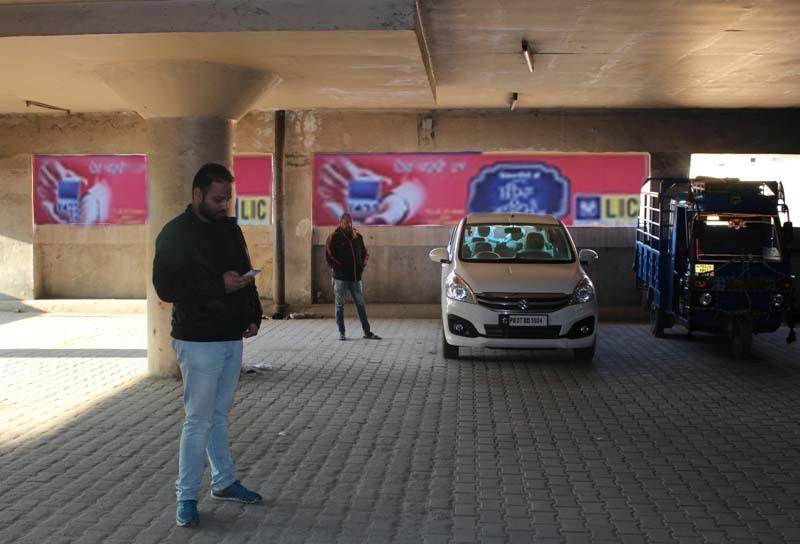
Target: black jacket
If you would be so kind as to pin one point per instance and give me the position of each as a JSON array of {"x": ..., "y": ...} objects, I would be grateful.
[
  {"x": 346, "y": 255},
  {"x": 191, "y": 257}
]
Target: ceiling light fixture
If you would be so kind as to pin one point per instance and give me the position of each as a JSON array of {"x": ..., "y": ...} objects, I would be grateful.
[
  {"x": 29, "y": 103},
  {"x": 527, "y": 52},
  {"x": 514, "y": 97}
]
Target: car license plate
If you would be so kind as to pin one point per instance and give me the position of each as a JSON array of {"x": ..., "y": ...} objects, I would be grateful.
[{"x": 527, "y": 321}]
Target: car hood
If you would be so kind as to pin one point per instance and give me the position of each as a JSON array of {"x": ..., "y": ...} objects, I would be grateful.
[{"x": 520, "y": 278}]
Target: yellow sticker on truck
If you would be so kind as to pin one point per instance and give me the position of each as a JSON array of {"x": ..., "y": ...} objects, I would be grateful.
[{"x": 704, "y": 269}]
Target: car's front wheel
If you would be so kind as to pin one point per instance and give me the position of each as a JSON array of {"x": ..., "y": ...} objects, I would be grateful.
[
  {"x": 450, "y": 351},
  {"x": 584, "y": 355},
  {"x": 657, "y": 319}
]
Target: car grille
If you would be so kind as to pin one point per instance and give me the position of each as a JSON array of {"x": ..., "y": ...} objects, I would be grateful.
[
  {"x": 530, "y": 333},
  {"x": 524, "y": 302}
]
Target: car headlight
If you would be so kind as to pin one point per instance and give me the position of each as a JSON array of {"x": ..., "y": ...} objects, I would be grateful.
[
  {"x": 583, "y": 293},
  {"x": 776, "y": 301},
  {"x": 457, "y": 289}
]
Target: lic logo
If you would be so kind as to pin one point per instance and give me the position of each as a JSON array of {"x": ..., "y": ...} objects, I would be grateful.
[{"x": 587, "y": 208}]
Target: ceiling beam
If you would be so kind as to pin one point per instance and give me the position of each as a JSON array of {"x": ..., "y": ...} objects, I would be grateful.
[
  {"x": 140, "y": 17},
  {"x": 424, "y": 50}
]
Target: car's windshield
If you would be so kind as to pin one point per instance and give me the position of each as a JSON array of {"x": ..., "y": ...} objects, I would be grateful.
[
  {"x": 735, "y": 237},
  {"x": 515, "y": 242}
]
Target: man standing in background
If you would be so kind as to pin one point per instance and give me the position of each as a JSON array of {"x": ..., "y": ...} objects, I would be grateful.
[{"x": 347, "y": 256}]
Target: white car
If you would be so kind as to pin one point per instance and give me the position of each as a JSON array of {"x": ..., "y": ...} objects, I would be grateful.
[{"x": 516, "y": 281}]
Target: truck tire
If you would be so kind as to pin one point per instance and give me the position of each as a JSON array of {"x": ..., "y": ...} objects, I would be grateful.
[
  {"x": 647, "y": 297},
  {"x": 741, "y": 338},
  {"x": 448, "y": 350},
  {"x": 656, "y": 320}
]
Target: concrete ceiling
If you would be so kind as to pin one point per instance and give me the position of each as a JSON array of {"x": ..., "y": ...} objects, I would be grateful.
[
  {"x": 617, "y": 53},
  {"x": 328, "y": 69},
  {"x": 595, "y": 54}
]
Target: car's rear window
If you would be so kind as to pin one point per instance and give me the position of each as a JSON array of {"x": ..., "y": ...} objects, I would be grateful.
[{"x": 515, "y": 242}]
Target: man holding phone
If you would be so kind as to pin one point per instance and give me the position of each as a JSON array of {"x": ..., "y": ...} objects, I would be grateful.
[{"x": 202, "y": 266}]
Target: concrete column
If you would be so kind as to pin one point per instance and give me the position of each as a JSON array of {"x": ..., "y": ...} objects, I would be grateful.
[
  {"x": 279, "y": 264},
  {"x": 301, "y": 136},
  {"x": 190, "y": 108},
  {"x": 17, "y": 252},
  {"x": 177, "y": 148}
]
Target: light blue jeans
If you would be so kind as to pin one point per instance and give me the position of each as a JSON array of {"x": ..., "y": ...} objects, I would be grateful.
[
  {"x": 340, "y": 290},
  {"x": 210, "y": 374}
]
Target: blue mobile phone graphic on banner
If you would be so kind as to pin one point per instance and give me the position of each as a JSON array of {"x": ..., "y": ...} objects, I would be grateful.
[
  {"x": 364, "y": 197},
  {"x": 68, "y": 200}
]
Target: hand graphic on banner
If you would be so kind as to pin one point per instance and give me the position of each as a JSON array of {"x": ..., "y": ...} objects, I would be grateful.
[
  {"x": 67, "y": 198},
  {"x": 402, "y": 203},
  {"x": 345, "y": 186},
  {"x": 95, "y": 206}
]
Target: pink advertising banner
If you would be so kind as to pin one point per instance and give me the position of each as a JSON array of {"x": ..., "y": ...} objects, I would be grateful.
[
  {"x": 89, "y": 189},
  {"x": 253, "y": 189},
  {"x": 440, "y": 188},
  {"x": 112, "y": 189},
  {"x": 253, "y": 174}
]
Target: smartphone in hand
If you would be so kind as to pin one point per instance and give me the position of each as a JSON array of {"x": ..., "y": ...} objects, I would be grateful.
[{"x": 252, "y": 273}]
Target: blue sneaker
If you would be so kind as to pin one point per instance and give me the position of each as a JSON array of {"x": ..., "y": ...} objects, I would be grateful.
[
  {"x": 237, "y": 492},
  {"x": 186, "y": 514}
]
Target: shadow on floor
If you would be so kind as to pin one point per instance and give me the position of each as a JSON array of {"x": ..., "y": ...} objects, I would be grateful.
[{"x": 61, "y": 353}]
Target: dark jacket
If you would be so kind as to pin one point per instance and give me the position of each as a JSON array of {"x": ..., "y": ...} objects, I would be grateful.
[
  {"x": 191, "y": 257},
  {"x": 346, "y": 255}
]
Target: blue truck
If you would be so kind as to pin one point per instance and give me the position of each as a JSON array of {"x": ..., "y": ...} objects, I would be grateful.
[{"x": 712, "y": 255}]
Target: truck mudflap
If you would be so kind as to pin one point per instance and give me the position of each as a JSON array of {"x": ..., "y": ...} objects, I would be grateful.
[
  {"x": 740, "y": 336},
  {"x": 791, "y": 312}
]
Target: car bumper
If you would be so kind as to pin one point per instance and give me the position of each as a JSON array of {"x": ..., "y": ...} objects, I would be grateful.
[{"x": 487, "y": 330}]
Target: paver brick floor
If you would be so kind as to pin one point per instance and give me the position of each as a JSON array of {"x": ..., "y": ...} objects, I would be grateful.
[{"x": 362, "y": 441}]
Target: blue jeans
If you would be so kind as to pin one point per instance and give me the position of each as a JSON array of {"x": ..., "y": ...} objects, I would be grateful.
[
  {"x": 340, "y": 290},
  {"x": 210, "y": 374}
]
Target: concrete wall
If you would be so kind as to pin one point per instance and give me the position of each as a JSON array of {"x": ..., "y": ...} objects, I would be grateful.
[
  {"x": 107, "y": 261},
  {"x": 96, "y": 262},
  {"x": 17, "y": 273},
  {"x": 22, "y": 136},
  {"x": 401, "y": 271},
  {"x": 99, "y": 261}
]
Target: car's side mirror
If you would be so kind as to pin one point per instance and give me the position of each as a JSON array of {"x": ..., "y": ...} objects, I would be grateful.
[
  {"x": 788, "y": 233},
  {"x": 587, "y": 256},
  {"x": 439, "y": 255}
]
